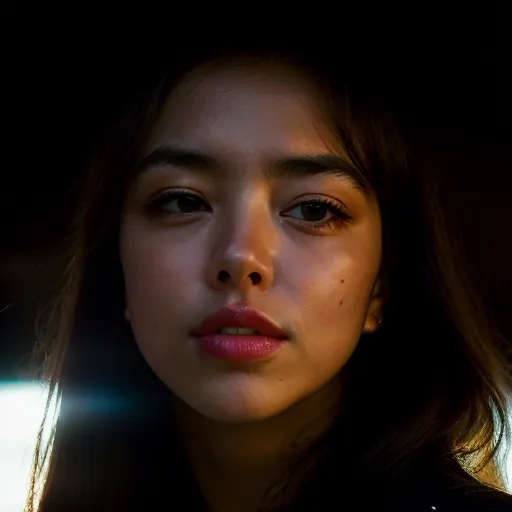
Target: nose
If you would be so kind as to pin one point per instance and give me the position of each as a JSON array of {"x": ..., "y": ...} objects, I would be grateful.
[{"x": 243, "y": 258}]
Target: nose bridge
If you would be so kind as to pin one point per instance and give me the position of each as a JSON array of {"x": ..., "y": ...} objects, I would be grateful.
[
  {"x": 248, "y": 222},
  {"x": 246, "y": 244}
]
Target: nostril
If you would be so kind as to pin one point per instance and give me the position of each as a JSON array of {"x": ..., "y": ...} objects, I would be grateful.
[
  {"x": 255, "y": 277},
  {"x": 223, "y": 276}
]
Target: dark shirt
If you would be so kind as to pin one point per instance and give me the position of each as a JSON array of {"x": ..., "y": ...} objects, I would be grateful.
[
  {"x": 451, "y": 499},
  {"x": 429, "y": 488},
  {"x": 415, "y": 499}
]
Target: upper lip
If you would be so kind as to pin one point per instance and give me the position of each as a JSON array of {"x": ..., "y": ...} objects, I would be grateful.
[{"x": 240, "y": 316}]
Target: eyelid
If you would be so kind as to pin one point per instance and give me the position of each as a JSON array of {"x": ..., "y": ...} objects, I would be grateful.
[
  {"x": 174, "y": 190},
  {"x": 320, "y": 198}
]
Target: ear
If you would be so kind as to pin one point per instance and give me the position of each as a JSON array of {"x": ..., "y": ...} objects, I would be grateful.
[{"x": 376, "y": 306}]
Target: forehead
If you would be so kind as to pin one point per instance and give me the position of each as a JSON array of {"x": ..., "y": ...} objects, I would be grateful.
[{"x": 252, "y": 108}]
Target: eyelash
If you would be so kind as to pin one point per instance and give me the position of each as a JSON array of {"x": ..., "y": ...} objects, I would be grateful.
[{"x": 340, "y": 216}]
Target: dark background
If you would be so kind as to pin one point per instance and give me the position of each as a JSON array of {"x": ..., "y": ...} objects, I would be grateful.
[{"x": 66, "y": 77}]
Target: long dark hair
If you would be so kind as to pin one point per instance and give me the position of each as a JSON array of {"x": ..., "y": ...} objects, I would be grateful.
[{"x": 432, "y": 382}]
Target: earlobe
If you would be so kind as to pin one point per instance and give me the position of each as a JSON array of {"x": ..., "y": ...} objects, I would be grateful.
[
  {"x": 372, "y": 323},
  {"x": 375, "y": 309}
]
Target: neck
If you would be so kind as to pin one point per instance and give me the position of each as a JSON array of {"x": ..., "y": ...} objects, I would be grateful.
[{"x": 236, "y": 463}]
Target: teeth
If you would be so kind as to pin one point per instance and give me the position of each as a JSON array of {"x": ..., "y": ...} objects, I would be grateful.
[{"x": 238, "y": 330}]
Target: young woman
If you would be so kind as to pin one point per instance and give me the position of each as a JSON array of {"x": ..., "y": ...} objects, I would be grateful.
[{"x": 264, "y": 309}]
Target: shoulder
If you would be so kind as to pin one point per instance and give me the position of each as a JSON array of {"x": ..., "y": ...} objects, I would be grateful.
[
  {"x": 444, "y": 495},
  {"x": 476, "y": 498},
  {"x": 449, "y": 488}
]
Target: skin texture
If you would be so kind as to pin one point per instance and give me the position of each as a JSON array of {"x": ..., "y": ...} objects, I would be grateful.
[{"x": 248, "y": 242}]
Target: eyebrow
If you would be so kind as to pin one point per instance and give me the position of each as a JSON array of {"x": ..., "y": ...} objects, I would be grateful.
[{"x": 300, "y": 165}]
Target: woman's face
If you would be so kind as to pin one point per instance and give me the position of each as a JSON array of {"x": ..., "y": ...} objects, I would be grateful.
[{"x": 252, "y": 149}]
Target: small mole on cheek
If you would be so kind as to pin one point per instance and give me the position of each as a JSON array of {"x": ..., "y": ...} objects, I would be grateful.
[
  {"x": 342, "y": 281},
  {"x": 341, "y": 302}
]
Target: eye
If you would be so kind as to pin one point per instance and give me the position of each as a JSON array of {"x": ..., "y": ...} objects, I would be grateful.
[
  {"x": 177, "y": 203},
  {"x": 320, "y": 214}
]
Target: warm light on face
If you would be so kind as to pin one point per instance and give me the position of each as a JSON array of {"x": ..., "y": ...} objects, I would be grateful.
[{"x": 244, "y": 177}]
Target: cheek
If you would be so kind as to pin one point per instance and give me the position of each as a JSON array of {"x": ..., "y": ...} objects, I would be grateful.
[
  {"x": 333, "y": 289},
  {"x": 149, "y": 259},
  {"x": 332, "y": 282},
  {"x": 332, "y": 318},
  {"x": 160, "y": 277}
]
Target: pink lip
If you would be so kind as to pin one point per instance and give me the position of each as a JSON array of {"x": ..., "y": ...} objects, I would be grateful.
[
  {"x": 233, "y": 347},
  {"x": 241, "y": 316}
]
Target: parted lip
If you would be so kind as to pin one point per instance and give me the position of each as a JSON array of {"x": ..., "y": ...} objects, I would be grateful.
[{"x": 240, "y": 316}]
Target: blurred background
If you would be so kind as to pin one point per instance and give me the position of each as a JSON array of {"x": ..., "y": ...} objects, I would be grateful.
[{"x": 446, "y": 74}]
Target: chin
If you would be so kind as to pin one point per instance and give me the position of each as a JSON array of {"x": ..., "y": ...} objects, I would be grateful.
[
  {"x": 231, "y": 412},
  {"x": 236, "y": 398},
  {"x": 236, "y": 416},
  {"x": 236, "y": 409}
]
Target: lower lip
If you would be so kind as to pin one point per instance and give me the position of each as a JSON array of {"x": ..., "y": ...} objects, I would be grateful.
[{"x": 234, "y": 347}]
